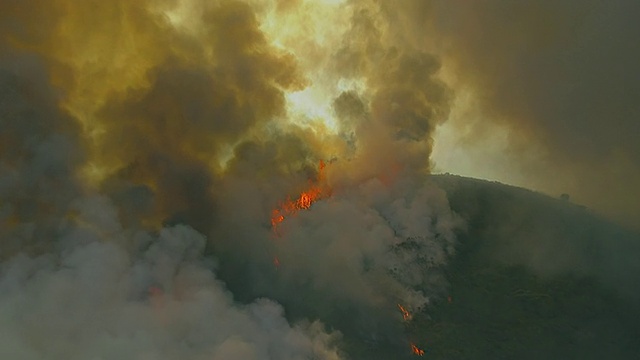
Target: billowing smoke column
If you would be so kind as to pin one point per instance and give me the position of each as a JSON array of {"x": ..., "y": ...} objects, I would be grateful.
[
  {"x": 120, "y": 294},
  {"x": 546, "y": 89},
  {"x": 145, "y": 146}
]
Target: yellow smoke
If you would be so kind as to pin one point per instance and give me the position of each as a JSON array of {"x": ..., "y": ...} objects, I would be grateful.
[{"x": 168, "y": 93}]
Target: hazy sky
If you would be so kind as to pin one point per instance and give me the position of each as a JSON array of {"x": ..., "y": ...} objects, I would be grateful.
[
  {"x": 144, "y": 146},
  {"x": 549, "y": 97},
  {"x": 538, "y": 94}
]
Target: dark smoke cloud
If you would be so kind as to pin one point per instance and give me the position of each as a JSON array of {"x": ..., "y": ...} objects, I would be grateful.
[
  {"x": 361, "y": 252},
  {"x": 126, "y": 136},
  {"x": 144, "y": 146},
  {"x": 404, "y": 100},
  {"x": 39, "y": 148},
  {"x": 158, "y": 300},
  {"x": 75, "y": 282},
  {"x": 167, "y": 136},
  {"x": 561, "y": 77},
  {"x": 354, "y": 254}
]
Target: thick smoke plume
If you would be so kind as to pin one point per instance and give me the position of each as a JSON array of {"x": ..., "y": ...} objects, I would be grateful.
[
  {"x": 548, "y": 90},
  {"x": 144, "y": 146},
  {"x": 118, "y": 294}
]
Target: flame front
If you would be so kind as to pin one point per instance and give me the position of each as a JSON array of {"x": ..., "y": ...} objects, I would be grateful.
[
  {"x": 290, "y": 207},
  {"x": 303, "y": 202},
  {"x": 406, "y": 315},
  {"x": 315, "y": 192},
  {"x": 416, "y": 350}
]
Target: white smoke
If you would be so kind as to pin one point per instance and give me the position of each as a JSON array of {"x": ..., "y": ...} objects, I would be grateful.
[
  {"x": 158, "y": 299},
  {"x": 374, "y": 244},
  {"x": 85, "y": 278},
  {"x": 350, "y": 258}
]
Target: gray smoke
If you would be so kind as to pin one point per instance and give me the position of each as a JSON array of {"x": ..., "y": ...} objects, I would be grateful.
[
  {"x": 140, "y": 162},
  {"x": 112, "y": 293},
  {"x": 558, "y": 78}
]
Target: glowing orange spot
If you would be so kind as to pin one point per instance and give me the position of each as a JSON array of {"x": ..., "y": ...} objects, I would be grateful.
[
  {"x": 449, "y": 299},
  {"x": 276, "y": 217},
  {"x": 416, "y": 350},
  {"x": 303, "y": 202},
  {"x": 276, "y": 262},
  {"x": 406, "y": 315}
]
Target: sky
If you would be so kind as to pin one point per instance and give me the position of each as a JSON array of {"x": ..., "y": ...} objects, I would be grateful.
[
  {"x": 536, "y": 95},
  {"x": 170, "y": 150},
  {"x": 548, "y": 98}
]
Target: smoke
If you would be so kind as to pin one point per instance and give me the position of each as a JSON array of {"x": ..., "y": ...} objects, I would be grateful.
[
  {"x": 144, "y": 146},
  {"x": 357, "y": 253},
  {"x": 75, "y": 282},
  {"x": 112, "y": 293},
  {"x": 554, "y": 78},
  {"x": 40, "y": 149}
]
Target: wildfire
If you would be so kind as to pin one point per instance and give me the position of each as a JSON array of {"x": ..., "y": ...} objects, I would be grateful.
[
  {"x": 315, "y": 192},
  {"x": 416, "y": 350},
  {"x": 303, "y": 202},
  {"x": 406, "y": 315},
  {"x": 290, "y": 207}
]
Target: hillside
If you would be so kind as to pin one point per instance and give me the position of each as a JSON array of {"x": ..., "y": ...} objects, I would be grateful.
[{"x": 534, "y": 278}]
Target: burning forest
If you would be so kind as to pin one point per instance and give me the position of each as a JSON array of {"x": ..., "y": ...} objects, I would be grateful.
[{"x": 236, "y": 179}]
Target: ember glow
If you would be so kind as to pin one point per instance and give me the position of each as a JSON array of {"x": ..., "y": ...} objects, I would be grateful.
[
  {"x": 416, "y": 350},
  {"x": 316, "y": 191},
  {"x": 180, "y": 148},
  {"x": 406, "y": 315},
  {"x": 158, "y": 167}
]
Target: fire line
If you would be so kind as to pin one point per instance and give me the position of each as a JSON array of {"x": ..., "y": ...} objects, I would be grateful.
[
  {"x": 302, "y": 202},
  {"x": 406, "y": 315},
  {"x": 416, "y": 350},
  {"x": 315, "y": 192}
]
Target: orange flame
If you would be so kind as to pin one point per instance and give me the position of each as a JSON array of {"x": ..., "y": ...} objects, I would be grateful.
[
  {"x": 303, "y": 202},
  {"x": 406, "y": 315},
  {"x": 416, "y": 350}
]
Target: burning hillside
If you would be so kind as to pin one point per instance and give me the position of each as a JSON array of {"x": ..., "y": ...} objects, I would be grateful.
[
  {"x": 162, "y": 193},
  {"x": 316, "y": 191}
]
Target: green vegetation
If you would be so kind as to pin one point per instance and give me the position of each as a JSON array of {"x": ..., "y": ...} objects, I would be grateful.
[
  {"x": 501, "y": 312},
  {"x": 534, "y": 277}
]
